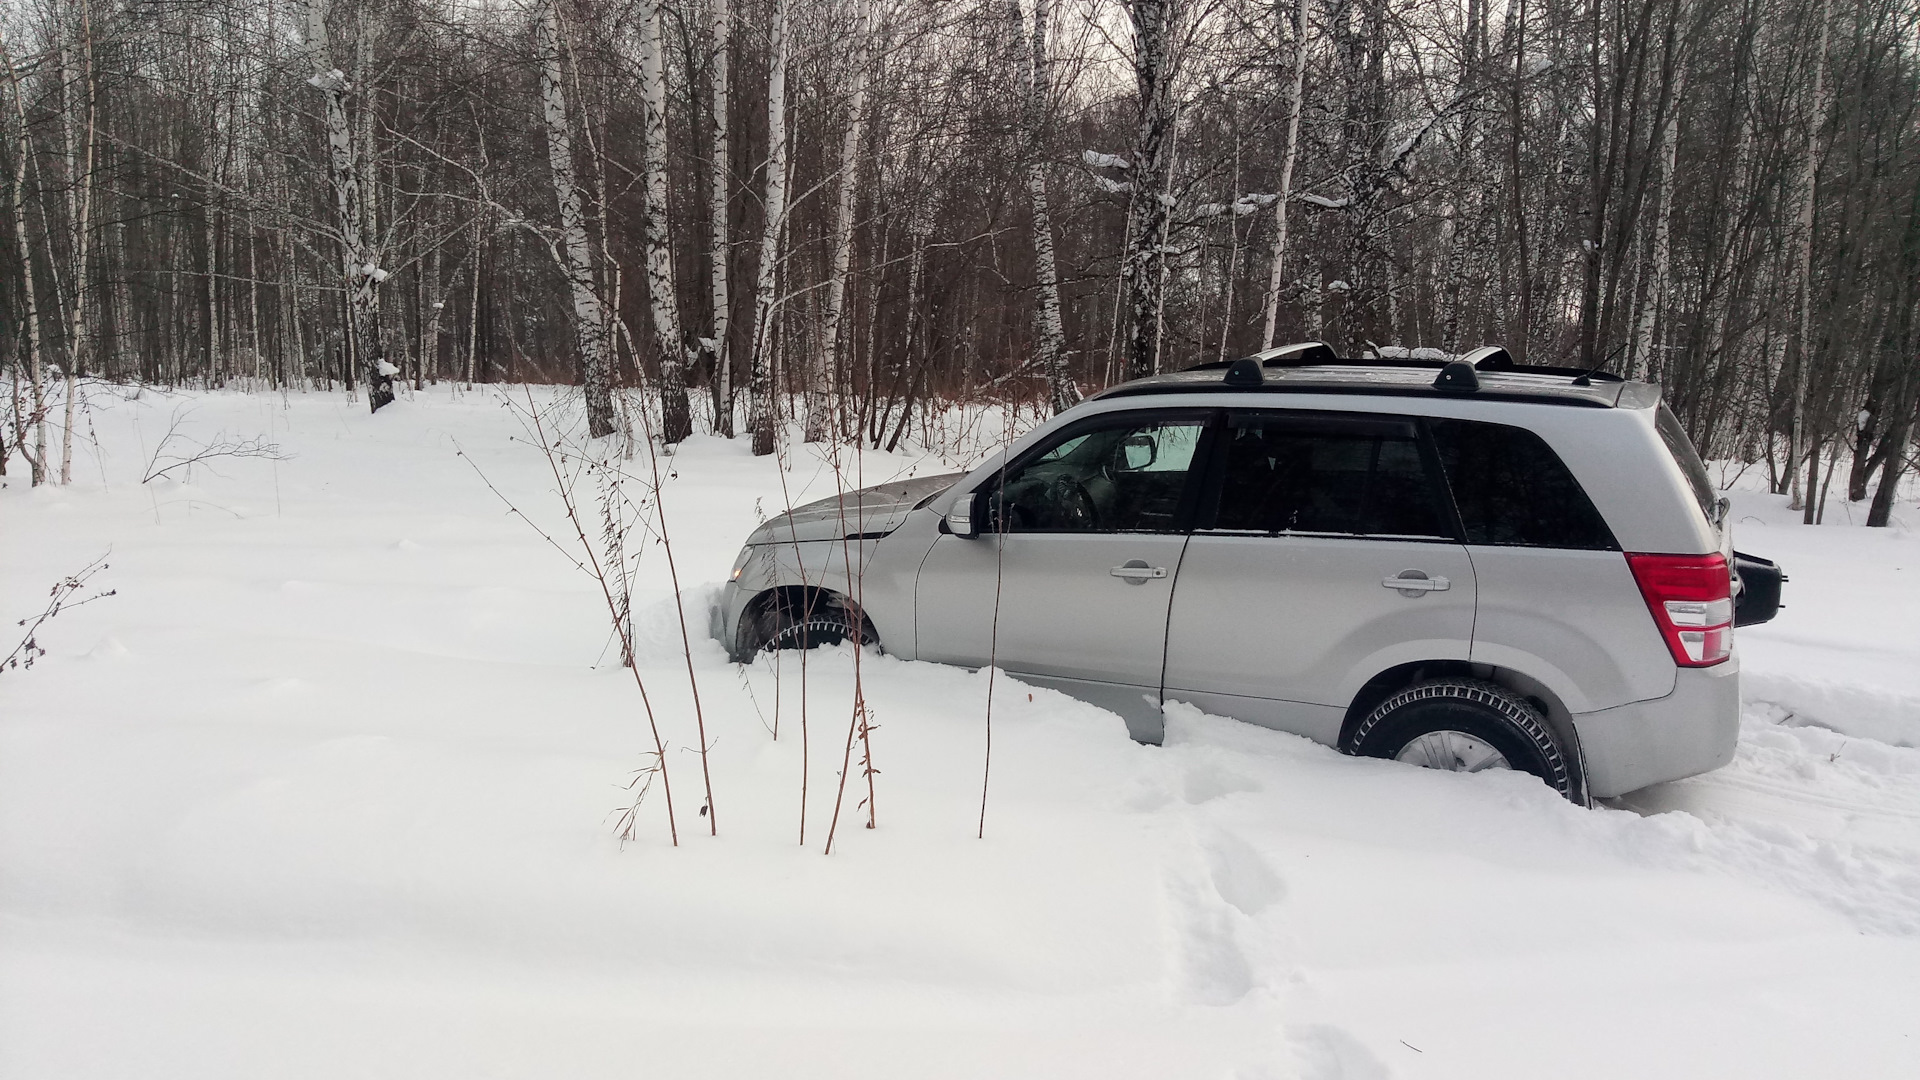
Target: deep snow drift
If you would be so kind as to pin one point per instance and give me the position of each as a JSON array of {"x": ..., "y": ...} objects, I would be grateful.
[{"x": 328, "y": 789}]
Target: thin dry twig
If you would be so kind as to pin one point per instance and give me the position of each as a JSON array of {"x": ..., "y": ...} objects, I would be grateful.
[{"x": 59, "y": 599}]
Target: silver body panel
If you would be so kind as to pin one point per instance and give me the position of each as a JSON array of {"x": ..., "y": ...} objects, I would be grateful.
[
  {"x": 1305, "y": 619},
  {"x": 1284, "y": 631}
]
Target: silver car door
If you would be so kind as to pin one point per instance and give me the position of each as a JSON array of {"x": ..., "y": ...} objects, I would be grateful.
[
  {"x": 1325, "y": 553},
  {"x": 1070, "y": 583}
]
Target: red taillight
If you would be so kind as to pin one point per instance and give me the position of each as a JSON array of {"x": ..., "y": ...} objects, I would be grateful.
[{"x": 1691, "y": 597}]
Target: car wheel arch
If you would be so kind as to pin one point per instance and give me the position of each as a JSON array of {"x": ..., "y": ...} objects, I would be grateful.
[
  {"x": 1401, "y": 676},
  {"x": 759, "y": 618}
]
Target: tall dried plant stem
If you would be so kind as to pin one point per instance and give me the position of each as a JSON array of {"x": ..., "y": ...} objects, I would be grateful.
[
  {"x": 599, "y": 573},
  {"x": 679, "y": 604}
]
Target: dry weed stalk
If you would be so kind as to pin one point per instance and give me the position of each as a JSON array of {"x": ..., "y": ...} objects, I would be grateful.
[
  {"x": 566, "y": 466},
  {"x": 59, "y": 599}
]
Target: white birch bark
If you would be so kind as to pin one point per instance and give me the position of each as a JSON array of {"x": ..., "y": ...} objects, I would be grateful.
[
  {"x": 762, "y": 413},
  {"x": 823, "y": 378},
  {"x": 1803, "y": 272},
  {"x": 1296, "y": 97},
  {"x": 36, "y": 375},
  {"x": 1051, "y": 335},
  {"x": 676, "y": 421},
  {"x": 473, "y": 302},
  {"x": 79, "y": 214},
  {"x": 1640, "y": 362},
  {"x": 1154, "y": 26},
  {"x": 576, "y": 255},
  {"x": 719, "y": 246},
  {"x": 359, "y": 271}
]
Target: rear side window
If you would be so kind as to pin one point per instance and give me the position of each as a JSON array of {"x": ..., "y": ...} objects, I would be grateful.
[
  {"x": 1356, "y": 478},
  {"x": 1685, "y": 456},
  {"x": 1513, "y": 490}
]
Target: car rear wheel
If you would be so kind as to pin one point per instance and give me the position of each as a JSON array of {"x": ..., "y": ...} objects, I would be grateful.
[{"x": 1464, "y": 725}]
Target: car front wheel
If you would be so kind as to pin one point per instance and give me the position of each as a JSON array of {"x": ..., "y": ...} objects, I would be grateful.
[{"x": 1464, "y": 725}]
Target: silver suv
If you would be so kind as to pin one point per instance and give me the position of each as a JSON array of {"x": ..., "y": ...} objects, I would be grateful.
[{"x": 1470, "y": 565}]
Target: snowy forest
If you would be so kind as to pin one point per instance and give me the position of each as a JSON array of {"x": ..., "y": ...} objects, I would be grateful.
[{"x": 836, "y": 212}]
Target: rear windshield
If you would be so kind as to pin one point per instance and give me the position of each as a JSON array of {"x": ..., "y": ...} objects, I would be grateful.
[{"x": 1685, "y": 456}]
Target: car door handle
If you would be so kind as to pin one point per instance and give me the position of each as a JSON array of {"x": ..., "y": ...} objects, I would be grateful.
[
  {"x": 1416, "y": 582},
  {"x": 1135, "y": 572}
]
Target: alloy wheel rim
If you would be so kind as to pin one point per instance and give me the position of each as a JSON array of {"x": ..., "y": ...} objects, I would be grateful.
[{"x": 1452, "y": 751}]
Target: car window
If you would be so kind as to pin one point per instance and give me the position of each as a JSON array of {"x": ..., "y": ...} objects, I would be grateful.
[
  {"x": 1685, "y": 456},
  {"x": 1512, "y": 489},
  {"x": 1353, "y": 478},
  {"x": 1126, "y": 476}
]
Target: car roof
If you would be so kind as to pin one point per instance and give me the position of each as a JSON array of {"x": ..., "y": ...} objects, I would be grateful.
[{"x": 1311, "y": 368}]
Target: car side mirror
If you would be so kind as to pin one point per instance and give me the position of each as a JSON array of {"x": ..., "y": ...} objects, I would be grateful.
[
  {"x": 967, "y": 515},
  {"x": 1139, "y": 452}
]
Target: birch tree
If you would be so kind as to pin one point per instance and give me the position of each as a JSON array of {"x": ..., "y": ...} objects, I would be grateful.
[
  {"x": 825, "y": 366},
  {"x": 575, "y": 254},
  {"x": 719, "y": 202},
  {"x": 762, "y": 408},
  {"x": 361, "y": 273},
  {"x": 1640, "y": 359},
  {"x": 1155, "y": 23},
  {"x": 675, "y": 418},
  {"x": 36, "y": 416},
  {"x": 79, "y": 162},
  {"x": 1051, "y": 336},
  {"x": 1296, "y": 102},
  {"x": 1817, "y": 107}
]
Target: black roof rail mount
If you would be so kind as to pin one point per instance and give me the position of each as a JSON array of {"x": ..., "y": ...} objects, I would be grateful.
[
  {"x": 1244, "y": 372},
  {"x": 1460, "y": 376}
]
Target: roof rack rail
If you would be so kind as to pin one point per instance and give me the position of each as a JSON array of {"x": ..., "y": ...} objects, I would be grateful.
[
  {"x": 1299, "y": 354},
  {"x": 1487, "y": 358}
]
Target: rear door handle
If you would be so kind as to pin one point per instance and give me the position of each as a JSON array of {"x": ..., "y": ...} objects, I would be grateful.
[
  {"x": 1137, "y": 572},
  {"x": 1416, "y": 582}
]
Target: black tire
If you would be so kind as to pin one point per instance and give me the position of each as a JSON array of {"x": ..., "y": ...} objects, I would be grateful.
[
  {"x": 1485, "y": 711},
  {"x": 778, "y": 626}
]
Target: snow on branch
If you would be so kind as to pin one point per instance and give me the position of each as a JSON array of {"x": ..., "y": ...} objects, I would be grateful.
[{"x": 1094, "y": 159}]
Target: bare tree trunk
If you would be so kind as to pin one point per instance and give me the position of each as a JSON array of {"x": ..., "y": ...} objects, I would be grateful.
[
  {"x": 1155, "y": 22},
  {"x": 36, "y": 378},
  {"x": 79, "y": 215},
  {"x": 360, "y": 272},
  {"x": 1062, "y": 394},
  {"x": 676, "y": 420},
  {"x": 1640, "y": 362},
  {"x": 1803, "y": 270},
  {"x": 1296, "y": 99},
  {"x": 763, "y": 415},
  {"x": 589, "y": 318},
  {"x": 719, "y": 247},
  {"x": 823, "y": 394}
]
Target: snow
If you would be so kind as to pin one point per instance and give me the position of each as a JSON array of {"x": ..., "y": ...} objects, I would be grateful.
[
  {"x": 1094, "y": 159},
  {"x": 327, "y": 789},
  {"x": 1324, "y": 202}
]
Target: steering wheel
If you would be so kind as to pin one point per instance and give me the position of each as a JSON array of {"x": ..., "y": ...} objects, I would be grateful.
[{"x": 1076, "y": 508}]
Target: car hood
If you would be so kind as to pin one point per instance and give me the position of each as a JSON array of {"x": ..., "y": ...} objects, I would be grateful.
[{"x": 868, "y": 512}]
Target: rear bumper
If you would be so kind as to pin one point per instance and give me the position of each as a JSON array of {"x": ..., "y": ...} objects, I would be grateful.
[{"x": 1692, "y": 730}]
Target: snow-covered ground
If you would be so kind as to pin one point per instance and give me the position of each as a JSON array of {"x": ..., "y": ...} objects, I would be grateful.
[{"x": 328, "y": 789}]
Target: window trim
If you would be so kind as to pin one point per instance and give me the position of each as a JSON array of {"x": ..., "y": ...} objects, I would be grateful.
[
  {"x": 1207, "y": 516},
  {"x": 1209, "y": 420}
]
